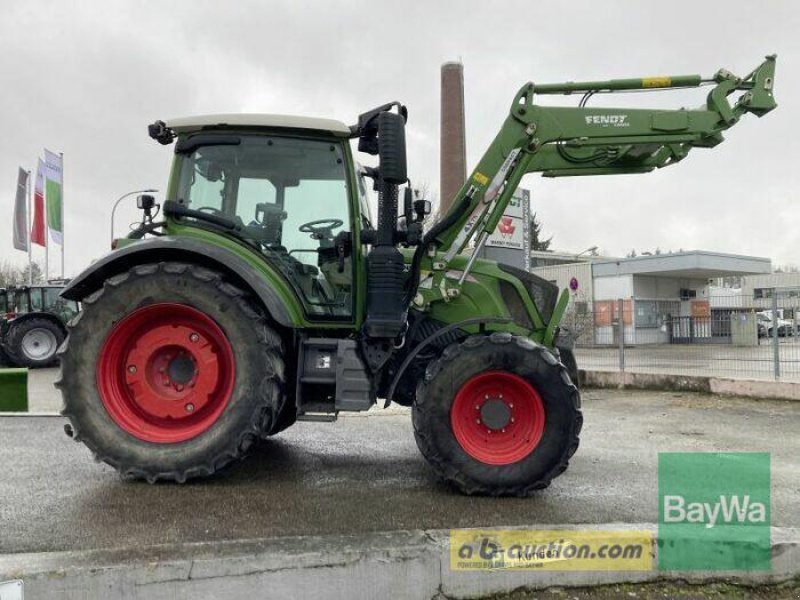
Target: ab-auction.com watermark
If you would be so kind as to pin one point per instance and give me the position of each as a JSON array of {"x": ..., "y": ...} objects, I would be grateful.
[{"x": 555, "y": 550}]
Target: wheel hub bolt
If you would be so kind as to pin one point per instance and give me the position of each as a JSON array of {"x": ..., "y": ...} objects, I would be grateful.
[
  {"x": 189, "y": 407},
  {"x": 194, "y": 337},
  {"x": 179, "y": 387},
  {"x": 132, "y": 369}
]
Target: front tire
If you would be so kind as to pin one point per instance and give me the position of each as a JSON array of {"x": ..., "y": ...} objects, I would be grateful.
[
  {"x": 497, "y": 415},
  {"x": 170, "y": 372}
]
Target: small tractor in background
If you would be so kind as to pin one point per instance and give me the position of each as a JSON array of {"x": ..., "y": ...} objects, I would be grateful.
[
  {"x": 268, "y": 294},
  {"x": 33, "y": 323}
]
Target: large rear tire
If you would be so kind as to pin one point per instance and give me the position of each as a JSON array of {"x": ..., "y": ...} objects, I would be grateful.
[
  {"x": 33, "y": 342},
  {"x": 287, "y": 416},
  {"x": 497, "y": 415},
  {"x": 170, "y": 372}
]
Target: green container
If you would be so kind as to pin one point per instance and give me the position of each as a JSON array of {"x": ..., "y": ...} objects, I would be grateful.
[{"x": 13, "y": 390}]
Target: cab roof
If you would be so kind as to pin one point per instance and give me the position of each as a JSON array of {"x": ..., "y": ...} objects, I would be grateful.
[{"x": 187, "y": 124}]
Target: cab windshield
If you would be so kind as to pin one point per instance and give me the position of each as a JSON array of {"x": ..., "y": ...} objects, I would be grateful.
[{"x": 291, "y": 195}]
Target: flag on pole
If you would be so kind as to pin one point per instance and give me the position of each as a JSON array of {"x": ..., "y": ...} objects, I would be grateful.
[
  {"x": 37, "y": 228},
  {"x": 21, "y": 212},
  {"x": 53, "y": 194}
]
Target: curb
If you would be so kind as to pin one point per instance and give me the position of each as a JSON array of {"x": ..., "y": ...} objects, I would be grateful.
[
  {"x": 401, "y": 564},
  {"x": 743, "y": 388}
]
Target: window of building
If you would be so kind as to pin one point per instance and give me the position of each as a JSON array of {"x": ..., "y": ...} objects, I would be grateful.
[{"x": 762, "y": 293}]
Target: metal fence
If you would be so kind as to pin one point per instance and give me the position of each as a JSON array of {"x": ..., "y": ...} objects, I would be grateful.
[{"x": 726, "y": 336}]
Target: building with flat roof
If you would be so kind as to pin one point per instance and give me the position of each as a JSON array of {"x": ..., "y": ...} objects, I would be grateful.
[{"x": 653, "y": 291}]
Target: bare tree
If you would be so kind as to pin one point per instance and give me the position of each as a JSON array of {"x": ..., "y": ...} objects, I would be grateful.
[{"x": 15, "y": 275}]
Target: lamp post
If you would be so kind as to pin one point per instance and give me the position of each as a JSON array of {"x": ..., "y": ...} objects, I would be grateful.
[{"x": 120, "y": 199}]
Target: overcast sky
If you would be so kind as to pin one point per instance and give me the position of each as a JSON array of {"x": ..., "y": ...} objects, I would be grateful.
[{"x": 85, "y": 79}]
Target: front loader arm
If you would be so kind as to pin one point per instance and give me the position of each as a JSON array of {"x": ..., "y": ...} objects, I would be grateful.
[{"x": 569, "y": 141}]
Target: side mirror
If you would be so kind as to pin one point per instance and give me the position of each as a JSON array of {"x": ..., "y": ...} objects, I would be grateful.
[
  {"x": 392, "y": 147},
  {"x": 145, "y": 202},
  {"x": 422, "y": 208}
]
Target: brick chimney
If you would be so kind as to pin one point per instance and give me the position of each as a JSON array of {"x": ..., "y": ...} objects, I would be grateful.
[{"x": 453, "y": 148}]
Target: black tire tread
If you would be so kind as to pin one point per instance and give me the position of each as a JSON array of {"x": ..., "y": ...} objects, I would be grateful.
[
  {"x": 262, "y": 417},
  {"x": 453, "y": 476}
]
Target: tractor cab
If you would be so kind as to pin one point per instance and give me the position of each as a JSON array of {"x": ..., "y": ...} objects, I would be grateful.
[
  {"x": 23, "y": 300},
  {"x": 283, "y": 185},
  {"x": 289, "y": 188}
]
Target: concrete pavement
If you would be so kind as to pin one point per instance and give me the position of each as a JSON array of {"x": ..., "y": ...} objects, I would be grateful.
[
  {"x": 399, "y": 565},
  {"x": 42, "y": 396},
  {"x": 365, "y": 474},
  {"x": 359, "y": 483}
]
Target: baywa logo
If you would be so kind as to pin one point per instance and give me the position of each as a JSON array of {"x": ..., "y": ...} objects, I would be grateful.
[
  {"x": 714, "y": 511},
  {"x": 730, "y": 509},
  {"x": 608, "y": 120}
]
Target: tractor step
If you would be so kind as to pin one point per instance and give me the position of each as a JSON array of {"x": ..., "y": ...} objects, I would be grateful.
[
  {"x": 331, "y": 377},
  {"x": 317, "y": 417}
]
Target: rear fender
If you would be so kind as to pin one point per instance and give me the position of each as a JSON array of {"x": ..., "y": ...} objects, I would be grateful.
[
  {"x": 37, "y": 315},
  {"x": 249, "y": 273}
]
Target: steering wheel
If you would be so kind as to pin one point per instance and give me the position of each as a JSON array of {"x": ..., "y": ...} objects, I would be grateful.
[{"x": 321, "y": 228}]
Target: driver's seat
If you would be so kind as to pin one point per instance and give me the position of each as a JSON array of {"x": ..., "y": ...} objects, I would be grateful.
[{"x": 270, "y": 217}]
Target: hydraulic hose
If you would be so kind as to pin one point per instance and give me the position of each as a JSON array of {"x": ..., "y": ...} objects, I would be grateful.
[{"x": 451, "y": 219}]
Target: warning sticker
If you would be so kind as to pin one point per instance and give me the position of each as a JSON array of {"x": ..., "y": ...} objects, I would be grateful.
[
  {"x": 656, "y": 82},
  {"x": 480, "y": 178}
]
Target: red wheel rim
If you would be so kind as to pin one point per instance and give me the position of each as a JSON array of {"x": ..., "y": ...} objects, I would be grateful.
[
  {"x": 165, "y": 373},
  {"x": 497, "y": 418}
]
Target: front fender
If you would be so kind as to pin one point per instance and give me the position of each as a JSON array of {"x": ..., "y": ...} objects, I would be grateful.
[{"x": 261, "y": 281}]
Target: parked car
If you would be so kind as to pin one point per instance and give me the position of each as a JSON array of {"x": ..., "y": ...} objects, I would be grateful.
[
  {"x": 33, "y": 324},
  {"x": 765, "y": 325}
]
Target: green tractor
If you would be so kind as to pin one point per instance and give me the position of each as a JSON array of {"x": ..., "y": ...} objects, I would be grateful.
[
  {"x": 33, "y": 323},
  {"x": 268, "y": 294}
]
